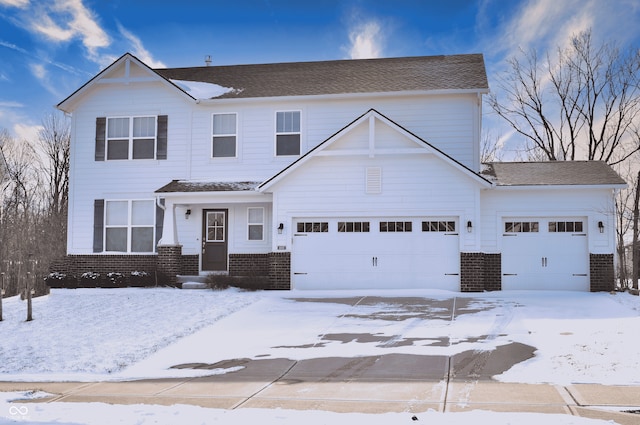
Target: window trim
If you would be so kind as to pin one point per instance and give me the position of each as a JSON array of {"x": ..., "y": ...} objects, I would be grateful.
[
  {"x": 129, "y": 226},
  {"x": 286, "y": 133},
  {"x": 130, "y": 138},
  {"x": 250, "y": 223},
  {"x": 224, "y": 135}
]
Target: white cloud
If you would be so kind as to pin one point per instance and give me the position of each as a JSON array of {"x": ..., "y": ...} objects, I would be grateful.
[
  {"x": 15, "y": 3},
  {"x": 366, "y": 40},
  {"x": 138, "y": 49},
  {"x": 66, "y": 20},
  {"x": 38, "y": 70},
  {"x": 10, "y": 104},
  {"x": 26, "y": 132}
]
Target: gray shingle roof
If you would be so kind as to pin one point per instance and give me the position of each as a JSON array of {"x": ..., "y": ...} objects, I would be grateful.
[
  {"x": 552, "y": 173},
  {"x": 423, "y": 73},
  {"x": 190, "y": 186}
]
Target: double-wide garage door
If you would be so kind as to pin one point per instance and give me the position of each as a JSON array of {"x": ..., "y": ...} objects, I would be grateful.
[
  {"x": 545, "y": 253},
  {"x": 381, "y": 253}
]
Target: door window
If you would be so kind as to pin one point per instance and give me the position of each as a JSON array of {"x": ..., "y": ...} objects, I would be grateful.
[{"x": 215, "y": 226}]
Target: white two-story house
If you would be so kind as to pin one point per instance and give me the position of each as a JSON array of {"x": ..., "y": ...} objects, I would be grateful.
[{"x": 324, "y": 175}]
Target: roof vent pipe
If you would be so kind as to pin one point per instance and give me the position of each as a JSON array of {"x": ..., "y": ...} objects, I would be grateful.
[{"x": 207, "y": 60}]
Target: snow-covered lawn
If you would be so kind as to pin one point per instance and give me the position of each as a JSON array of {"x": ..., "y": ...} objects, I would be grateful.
[
  {"x": 93, "y": 334},
  {"x": 103, "y": 334}
]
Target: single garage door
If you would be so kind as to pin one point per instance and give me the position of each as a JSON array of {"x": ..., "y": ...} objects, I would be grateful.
[
  {"x": 381, "y": 253},
  {"x": 545, "y": 253}
]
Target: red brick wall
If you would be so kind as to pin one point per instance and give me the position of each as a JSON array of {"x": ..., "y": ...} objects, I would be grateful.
[
  {"x": 480, "y": 272},
  {"x": 602, "y": 272}
]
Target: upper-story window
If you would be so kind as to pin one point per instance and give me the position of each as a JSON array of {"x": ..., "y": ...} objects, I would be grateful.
[
  {"x": 287, "y": 133},
  {"x": 134, "y": 137},
  {"x": 224, "y": 136},
  {"x": 131, "y": 138}
]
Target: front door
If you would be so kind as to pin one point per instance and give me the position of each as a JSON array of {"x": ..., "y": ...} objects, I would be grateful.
[{"x": 214, "y": 240}]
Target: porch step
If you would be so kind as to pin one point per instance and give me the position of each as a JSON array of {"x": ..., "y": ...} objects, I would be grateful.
[
  {"x": 187, "y": 278},
  {"x": 192, "y": 282},
  {"x": 194, "y": 285}
]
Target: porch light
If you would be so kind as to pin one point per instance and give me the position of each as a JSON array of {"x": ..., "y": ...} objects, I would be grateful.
[
  {"x": 187, "y": 213},
  {"x": 601, "y": 226},
  {"x": 280, "y": 228},
  {"x": 469, "y": 226}
]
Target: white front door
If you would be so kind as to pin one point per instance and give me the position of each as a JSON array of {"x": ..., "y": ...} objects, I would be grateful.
[
  {"x": 384, "y": 253},
  {"x": 545, "y": 253}
]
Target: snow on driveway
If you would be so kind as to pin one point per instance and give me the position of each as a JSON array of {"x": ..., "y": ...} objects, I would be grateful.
[{"x": 103, "y": 334}]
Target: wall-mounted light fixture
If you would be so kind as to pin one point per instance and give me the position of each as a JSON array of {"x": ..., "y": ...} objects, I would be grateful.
[
  {"x": 469, "y": 226},
  {"x": 280, "y": 228},
  {"x": 187, "y": 213},
  {"x": 601, "y": 226}
]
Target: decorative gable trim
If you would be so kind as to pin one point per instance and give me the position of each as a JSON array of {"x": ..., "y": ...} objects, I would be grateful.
[
  {"x": 68, "y": 104},
  {"x": 422, "y": 146}
]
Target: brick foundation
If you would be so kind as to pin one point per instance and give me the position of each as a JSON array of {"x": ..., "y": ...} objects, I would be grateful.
[
  {"x": 169, "y": 263},
  {"x": 280, "y": 270},
  {"x": 480, "y": 272},
  {"x": 276, "y": 266},
  {"x": 75, "y": 265},
  {"x": 190, "y": 265},
  {"x": 602, "y": 272}
]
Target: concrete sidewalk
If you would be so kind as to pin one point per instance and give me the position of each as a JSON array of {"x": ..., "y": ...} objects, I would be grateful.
[{"x": 393, "y": 383}]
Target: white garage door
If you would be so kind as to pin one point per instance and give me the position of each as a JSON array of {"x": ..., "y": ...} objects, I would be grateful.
[
  {"x": 545, "y": 253},
  {"x": 384, "y": 253}
]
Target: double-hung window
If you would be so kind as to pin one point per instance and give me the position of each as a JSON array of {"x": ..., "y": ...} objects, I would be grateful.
[
  {"x": 255, "y": 224},
  {"x": 224, "y": 136},
  {"x": 129, "y": 226},
  {"x": 131, "y": 137},
  {"x": 287, "y": 133}
]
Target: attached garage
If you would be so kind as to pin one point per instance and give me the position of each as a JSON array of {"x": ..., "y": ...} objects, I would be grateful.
[
  {"x": 381, "y": 253},
  {"x": 549, "y": 253}
]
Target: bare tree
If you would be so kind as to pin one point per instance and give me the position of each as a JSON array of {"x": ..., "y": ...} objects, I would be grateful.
[
  {"x": 580, "y": 104},
  {"x": 54, "y": 141},
  {"x": 490, "y": 147}
]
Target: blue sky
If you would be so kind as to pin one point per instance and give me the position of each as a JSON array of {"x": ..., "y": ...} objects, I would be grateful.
[{"x": 49, "y": 48}]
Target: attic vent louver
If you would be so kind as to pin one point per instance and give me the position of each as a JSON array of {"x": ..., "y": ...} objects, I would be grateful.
[{"x": 374, "y": 180}]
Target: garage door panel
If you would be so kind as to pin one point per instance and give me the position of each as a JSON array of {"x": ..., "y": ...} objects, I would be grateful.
[
  {"x": 376, "y": 259},
  {"x": 544, "y": 257}
]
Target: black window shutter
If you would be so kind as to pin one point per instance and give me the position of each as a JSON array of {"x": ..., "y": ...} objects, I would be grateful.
[
  {"x": 159, "y": 222},
  {"x": 162, "y": 137},
  {"x": 101, "y": 127},
  {"x": 98, "y": 225}
]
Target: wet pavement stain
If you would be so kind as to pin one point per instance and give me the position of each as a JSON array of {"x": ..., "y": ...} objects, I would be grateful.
[{"x": 465, "y": 366}]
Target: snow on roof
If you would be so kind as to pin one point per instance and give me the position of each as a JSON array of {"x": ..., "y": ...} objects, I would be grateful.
[{"x": 202, "y": 90}]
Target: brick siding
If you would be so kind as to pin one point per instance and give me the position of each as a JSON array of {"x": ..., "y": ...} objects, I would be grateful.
[
  {"x": 190, "y": 265},
  {"x": 602, "y": 272},
  {"x": 276, "y": 266},
  {"x": 75, "y": 265},
  {"x": 169, "y": 263},
  {"x": 280, "y": 270},
  {"x": 480, "y": 272}
]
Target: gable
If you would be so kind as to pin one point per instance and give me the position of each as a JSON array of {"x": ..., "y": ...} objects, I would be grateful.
[
  {"x": 124, "y": 71},
  {"x": 373, "y": 135}
]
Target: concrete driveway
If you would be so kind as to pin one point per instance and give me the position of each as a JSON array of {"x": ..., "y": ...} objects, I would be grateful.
[{"x": 388, "y": 381}]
